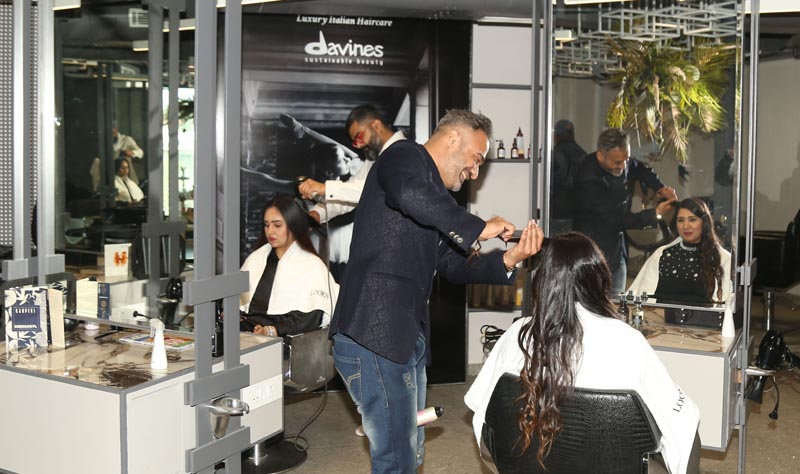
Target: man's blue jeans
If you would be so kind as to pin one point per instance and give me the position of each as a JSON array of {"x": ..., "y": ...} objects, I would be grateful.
[{"x": 388, "y": 396}]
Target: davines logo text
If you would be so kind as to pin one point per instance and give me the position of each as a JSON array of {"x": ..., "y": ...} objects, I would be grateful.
[{"x": 343, "y": 53}]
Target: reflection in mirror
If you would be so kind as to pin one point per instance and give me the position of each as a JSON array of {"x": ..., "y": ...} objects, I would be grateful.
[
  {"x": 103, "y": 105},
  {"x": 645, "y": 113}
]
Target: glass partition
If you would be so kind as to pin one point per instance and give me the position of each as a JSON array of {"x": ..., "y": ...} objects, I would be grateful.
[
  {"x": 104, "y": 84},
  {"x": 667, "y": 74}
]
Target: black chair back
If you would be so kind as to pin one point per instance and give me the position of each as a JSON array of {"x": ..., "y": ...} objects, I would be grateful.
[{"x": 602, "y": 432}]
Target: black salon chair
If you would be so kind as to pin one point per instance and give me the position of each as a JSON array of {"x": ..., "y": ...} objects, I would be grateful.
[
  {"x": 603, "y": 432},
  {"x": 307, "y": 366},
  {"x": 778, "y": 263}
]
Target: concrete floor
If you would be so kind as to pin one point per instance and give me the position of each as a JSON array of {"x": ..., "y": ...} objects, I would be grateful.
[{"x": 773, "y": 447}]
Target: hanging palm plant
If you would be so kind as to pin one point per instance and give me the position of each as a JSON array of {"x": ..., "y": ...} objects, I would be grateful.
[{"x": 664, "y": 93}]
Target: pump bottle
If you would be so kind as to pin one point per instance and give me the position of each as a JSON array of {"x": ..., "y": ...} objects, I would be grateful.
[{"x": 158, "y": 360}]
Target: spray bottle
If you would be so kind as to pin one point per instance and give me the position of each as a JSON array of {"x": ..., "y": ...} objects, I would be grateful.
[
  {"x": 158, "y": 360},
  {"x": 728, "y": 328}
]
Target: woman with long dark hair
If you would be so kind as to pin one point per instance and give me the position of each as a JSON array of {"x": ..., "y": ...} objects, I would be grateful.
[
  {"x": 694, "y": 268},
  {"x": 574, "y": 339},
  {"x": 291, "y": 290}
]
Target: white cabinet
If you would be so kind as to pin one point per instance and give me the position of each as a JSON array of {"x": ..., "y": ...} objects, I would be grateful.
[{"x": 96, "y": 408}]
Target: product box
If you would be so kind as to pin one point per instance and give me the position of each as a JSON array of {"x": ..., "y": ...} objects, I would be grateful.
[
  {"x": 103, "y": 300},
  {"x": 26, "y": 318},
  {"x": 117, "y": 260}
]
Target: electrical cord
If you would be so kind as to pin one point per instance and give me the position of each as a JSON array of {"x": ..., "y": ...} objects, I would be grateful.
[
  {"x": 300, "y": 443},
  {"x": 489, "y": 336}
]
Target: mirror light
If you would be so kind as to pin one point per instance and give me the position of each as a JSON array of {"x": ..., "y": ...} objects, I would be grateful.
[
  {"x": 141, "y": 45},
  {"x": 221, "y": 3},
  {"x": 186, "y": 24},
  {"x": 583, "y": 2},
  {"x": 564, "y": 35},
  {"x": 773, "y": 6},
  {"x": 66, "y": 4}
]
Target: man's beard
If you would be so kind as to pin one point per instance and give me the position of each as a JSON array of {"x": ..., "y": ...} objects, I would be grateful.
[{"x": 370, "y": 153}]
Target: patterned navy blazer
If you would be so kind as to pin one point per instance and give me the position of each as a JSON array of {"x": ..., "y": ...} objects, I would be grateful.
[{"x": 407, "y": 227}]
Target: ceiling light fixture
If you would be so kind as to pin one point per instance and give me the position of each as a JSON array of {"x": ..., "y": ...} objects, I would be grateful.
[{"x": 141, "y": 45}]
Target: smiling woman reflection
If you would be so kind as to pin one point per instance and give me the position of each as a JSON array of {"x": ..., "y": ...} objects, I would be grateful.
[
  {"x": 694, "y": 268},
  {"x": 291, "y": 290},
  {"x": 128, "y": 192}
]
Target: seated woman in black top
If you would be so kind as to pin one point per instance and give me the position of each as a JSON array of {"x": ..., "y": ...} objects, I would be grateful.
[
  {"x": 291, "y": 290},
  {"x": 694, "y": 268}
]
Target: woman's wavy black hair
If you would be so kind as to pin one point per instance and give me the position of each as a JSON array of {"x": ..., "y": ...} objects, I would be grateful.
[{"x": 569, "y": 270}]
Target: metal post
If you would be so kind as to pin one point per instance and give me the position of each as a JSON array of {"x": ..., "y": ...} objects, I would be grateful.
[
  {"x": 231, "y": 184},
  {"x": 206, "y": 286},
  {"x": 174, "y": 75},
  {"x": 47, "y": 262},
  {"x": 155, "y": 175},
  {"x": 536, "y": 103},
  {"x": 747, "y": 280},
  {"x": 205, "y": 192},
  {"x": 23, "y": 109},
  {"x": 546, "y": 115}
]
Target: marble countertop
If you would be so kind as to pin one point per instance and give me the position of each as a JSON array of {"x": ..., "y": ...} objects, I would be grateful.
[
  {"x": 683, "y": 338},
  {"x": 106, "y": 363}
]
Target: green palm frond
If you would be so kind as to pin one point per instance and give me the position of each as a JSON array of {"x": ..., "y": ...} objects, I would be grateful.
[{"x": 665, "y": 94}]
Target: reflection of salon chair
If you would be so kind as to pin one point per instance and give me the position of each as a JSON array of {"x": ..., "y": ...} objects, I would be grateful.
[
  {"x": 778, "y": 263},
  {"x": 603, "y": 432},
  {"x": 307, "y": 366}
]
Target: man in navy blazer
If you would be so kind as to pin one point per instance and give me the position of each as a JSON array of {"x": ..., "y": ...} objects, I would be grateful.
[{"x": 407, "y": 227}]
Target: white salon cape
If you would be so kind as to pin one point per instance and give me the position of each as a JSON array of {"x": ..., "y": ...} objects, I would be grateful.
[
  {"x": 647, "y": 279},
  {"x": 342, "y": 197},
  {"x": 126, "y": 143},
  {"x": 615, "y": 356},
  {"x": 127, "y": 190},
  {"x": 302, "y": 283}
]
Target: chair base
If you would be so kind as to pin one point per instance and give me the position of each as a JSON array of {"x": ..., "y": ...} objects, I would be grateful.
[{"x": 272, "y": 456}]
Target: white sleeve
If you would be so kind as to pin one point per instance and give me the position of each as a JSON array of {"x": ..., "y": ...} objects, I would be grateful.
[
  {"x": 506, "y": 357},
  {"x": 647, "y": 279},
  {"x": 725, "y": 261},
  {"x": 249, "y": 265},
  {"x": 129, "y": 144},
  {"x": 344, "y": 192},
  {"x": 674, "y": 412},
  {"x": 321, "y": 212},
  {"x": 342, "y": 197}
]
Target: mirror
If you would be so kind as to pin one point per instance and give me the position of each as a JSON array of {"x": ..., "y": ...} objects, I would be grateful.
[
  {"x": 668, "y": 75},
  {"x": 103, "y": 158}
]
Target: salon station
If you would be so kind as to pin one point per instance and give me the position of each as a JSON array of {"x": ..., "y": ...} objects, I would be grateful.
[{"x": 170, "y": 270}]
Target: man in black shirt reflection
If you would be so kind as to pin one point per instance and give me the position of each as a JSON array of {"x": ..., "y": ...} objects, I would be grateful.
[
  {"x": 567, "y": 158},
  {"x": 603, "y": 191}
]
